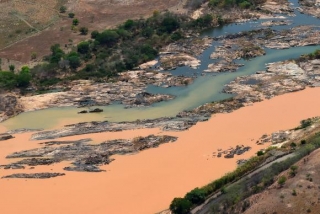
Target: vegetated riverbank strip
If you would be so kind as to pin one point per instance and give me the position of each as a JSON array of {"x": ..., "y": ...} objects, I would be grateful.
[{"x": 227, "y": 191}]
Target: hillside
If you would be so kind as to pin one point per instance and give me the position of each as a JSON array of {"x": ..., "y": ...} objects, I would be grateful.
[
  {"x": 300, "y": 194},
  {"x": 39, "y": 24}
]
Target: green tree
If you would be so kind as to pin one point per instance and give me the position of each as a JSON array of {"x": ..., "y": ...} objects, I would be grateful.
[
  {"x": 74, "y": 60},
  {"x": 129, "y": 24},
  {"x": 169, "y": 24},
  {"x": 176, "y": 36},
  {"x": 108, "y": 37},
  {"x": 305, "y": 123},
  {"x": 196, "y": 196},
  {"x": 75, "y": 22},
  {"x": 293, "y": 145},
  {"x": 24, "y": 77},
  {"x": 7, "y": 80},
  {"x": 12, "y": 68},
  {"x": 56, "y": 53},
  {"x": 83, "y": 47},
  {"x": 94, "y": 34},
  {"x": 259, "y": 153},
  {"x": 303, "y": 142},
  {"x": 71, "y": 15},
  {"x": 149, "y": 52},
  {"x": 147, "y": 32},
  {"x": 245, "y": 5},
  {"x": 180, "y": 206}
]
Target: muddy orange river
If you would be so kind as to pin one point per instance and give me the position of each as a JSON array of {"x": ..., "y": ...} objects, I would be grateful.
[{"x": 147, "y": 182}]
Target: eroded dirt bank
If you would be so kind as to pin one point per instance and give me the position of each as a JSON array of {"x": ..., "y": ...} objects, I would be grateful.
[{"x": 148, "y": 181}]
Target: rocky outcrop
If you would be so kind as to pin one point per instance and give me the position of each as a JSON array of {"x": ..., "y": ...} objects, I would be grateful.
[
  {"x": 173, "y": 124},
  {"x": 310, "y": 7},
  {"x": 84, "y": 156},
  {"x": 23, "y": 130},
  {"x": 43, "y": 175},
  {"x": 246, "y": 45},
  {"x": 9, "y": 106},
  {"x": 183, "y": 53},
  {"x": 5, "y": 137},
  {"x": 230, "y": 153},
  {"x": 146, "y": 99},
  {"x": 170, "y": 61},
  {"x": 275, "y": 23},
  {"x": 280, "y": 78}
]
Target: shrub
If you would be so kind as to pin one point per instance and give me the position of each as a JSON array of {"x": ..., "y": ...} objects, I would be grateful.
[
  {"x": 293, "y": 170},
  {"x": 180, "y": 206},
  {"x": 282, "y": 180},
  {"x": 63, "y": 9},
  {"x": 94, "y": 34},
  {"x": 74, "y": 60},
  {"x": 83, "y": 47},
  {"x": 176, "y": 36},
  {"x": 196, "y": 196},
  {"x": 294, "y": 193},
  {"x": 83, "y": 30},
  {"x": 293, "y": 145},
  {"x": 169, "y": 24},
  {"x": 24, "y": 77},
  {"x": 108, "y": 37},
  {"x": 260, "y": 153},
  {"x": 33, "y": 55},
  {"x": 7, "y": 80},
  {"x": 128, "y": 24},
  {"x": 71, "y": 15},
  {"x": 245, "y": 5},
  {"x": 306, "y": 123},
  {"x": 12, "y": 68},
  {"x": 75, "y": 22}
]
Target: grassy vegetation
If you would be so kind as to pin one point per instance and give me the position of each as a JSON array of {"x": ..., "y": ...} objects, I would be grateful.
[
  {"x": 237, "y": 193},
  {"x": 310, "y": 56}
]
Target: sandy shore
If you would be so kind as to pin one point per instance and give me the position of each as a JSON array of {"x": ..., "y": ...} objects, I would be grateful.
[{"x": 148, "y": 181}]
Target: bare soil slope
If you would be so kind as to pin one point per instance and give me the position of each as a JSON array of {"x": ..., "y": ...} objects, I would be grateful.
[{"x": 305, "y": 184}]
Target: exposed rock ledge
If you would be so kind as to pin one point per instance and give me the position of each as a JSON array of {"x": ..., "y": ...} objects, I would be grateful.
[
  {"x": 34, "y": 175},
  {"x": 84, "y": 156}
]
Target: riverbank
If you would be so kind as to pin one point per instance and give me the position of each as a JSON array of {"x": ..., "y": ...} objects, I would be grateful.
[{"x": 152, "y": 179}]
